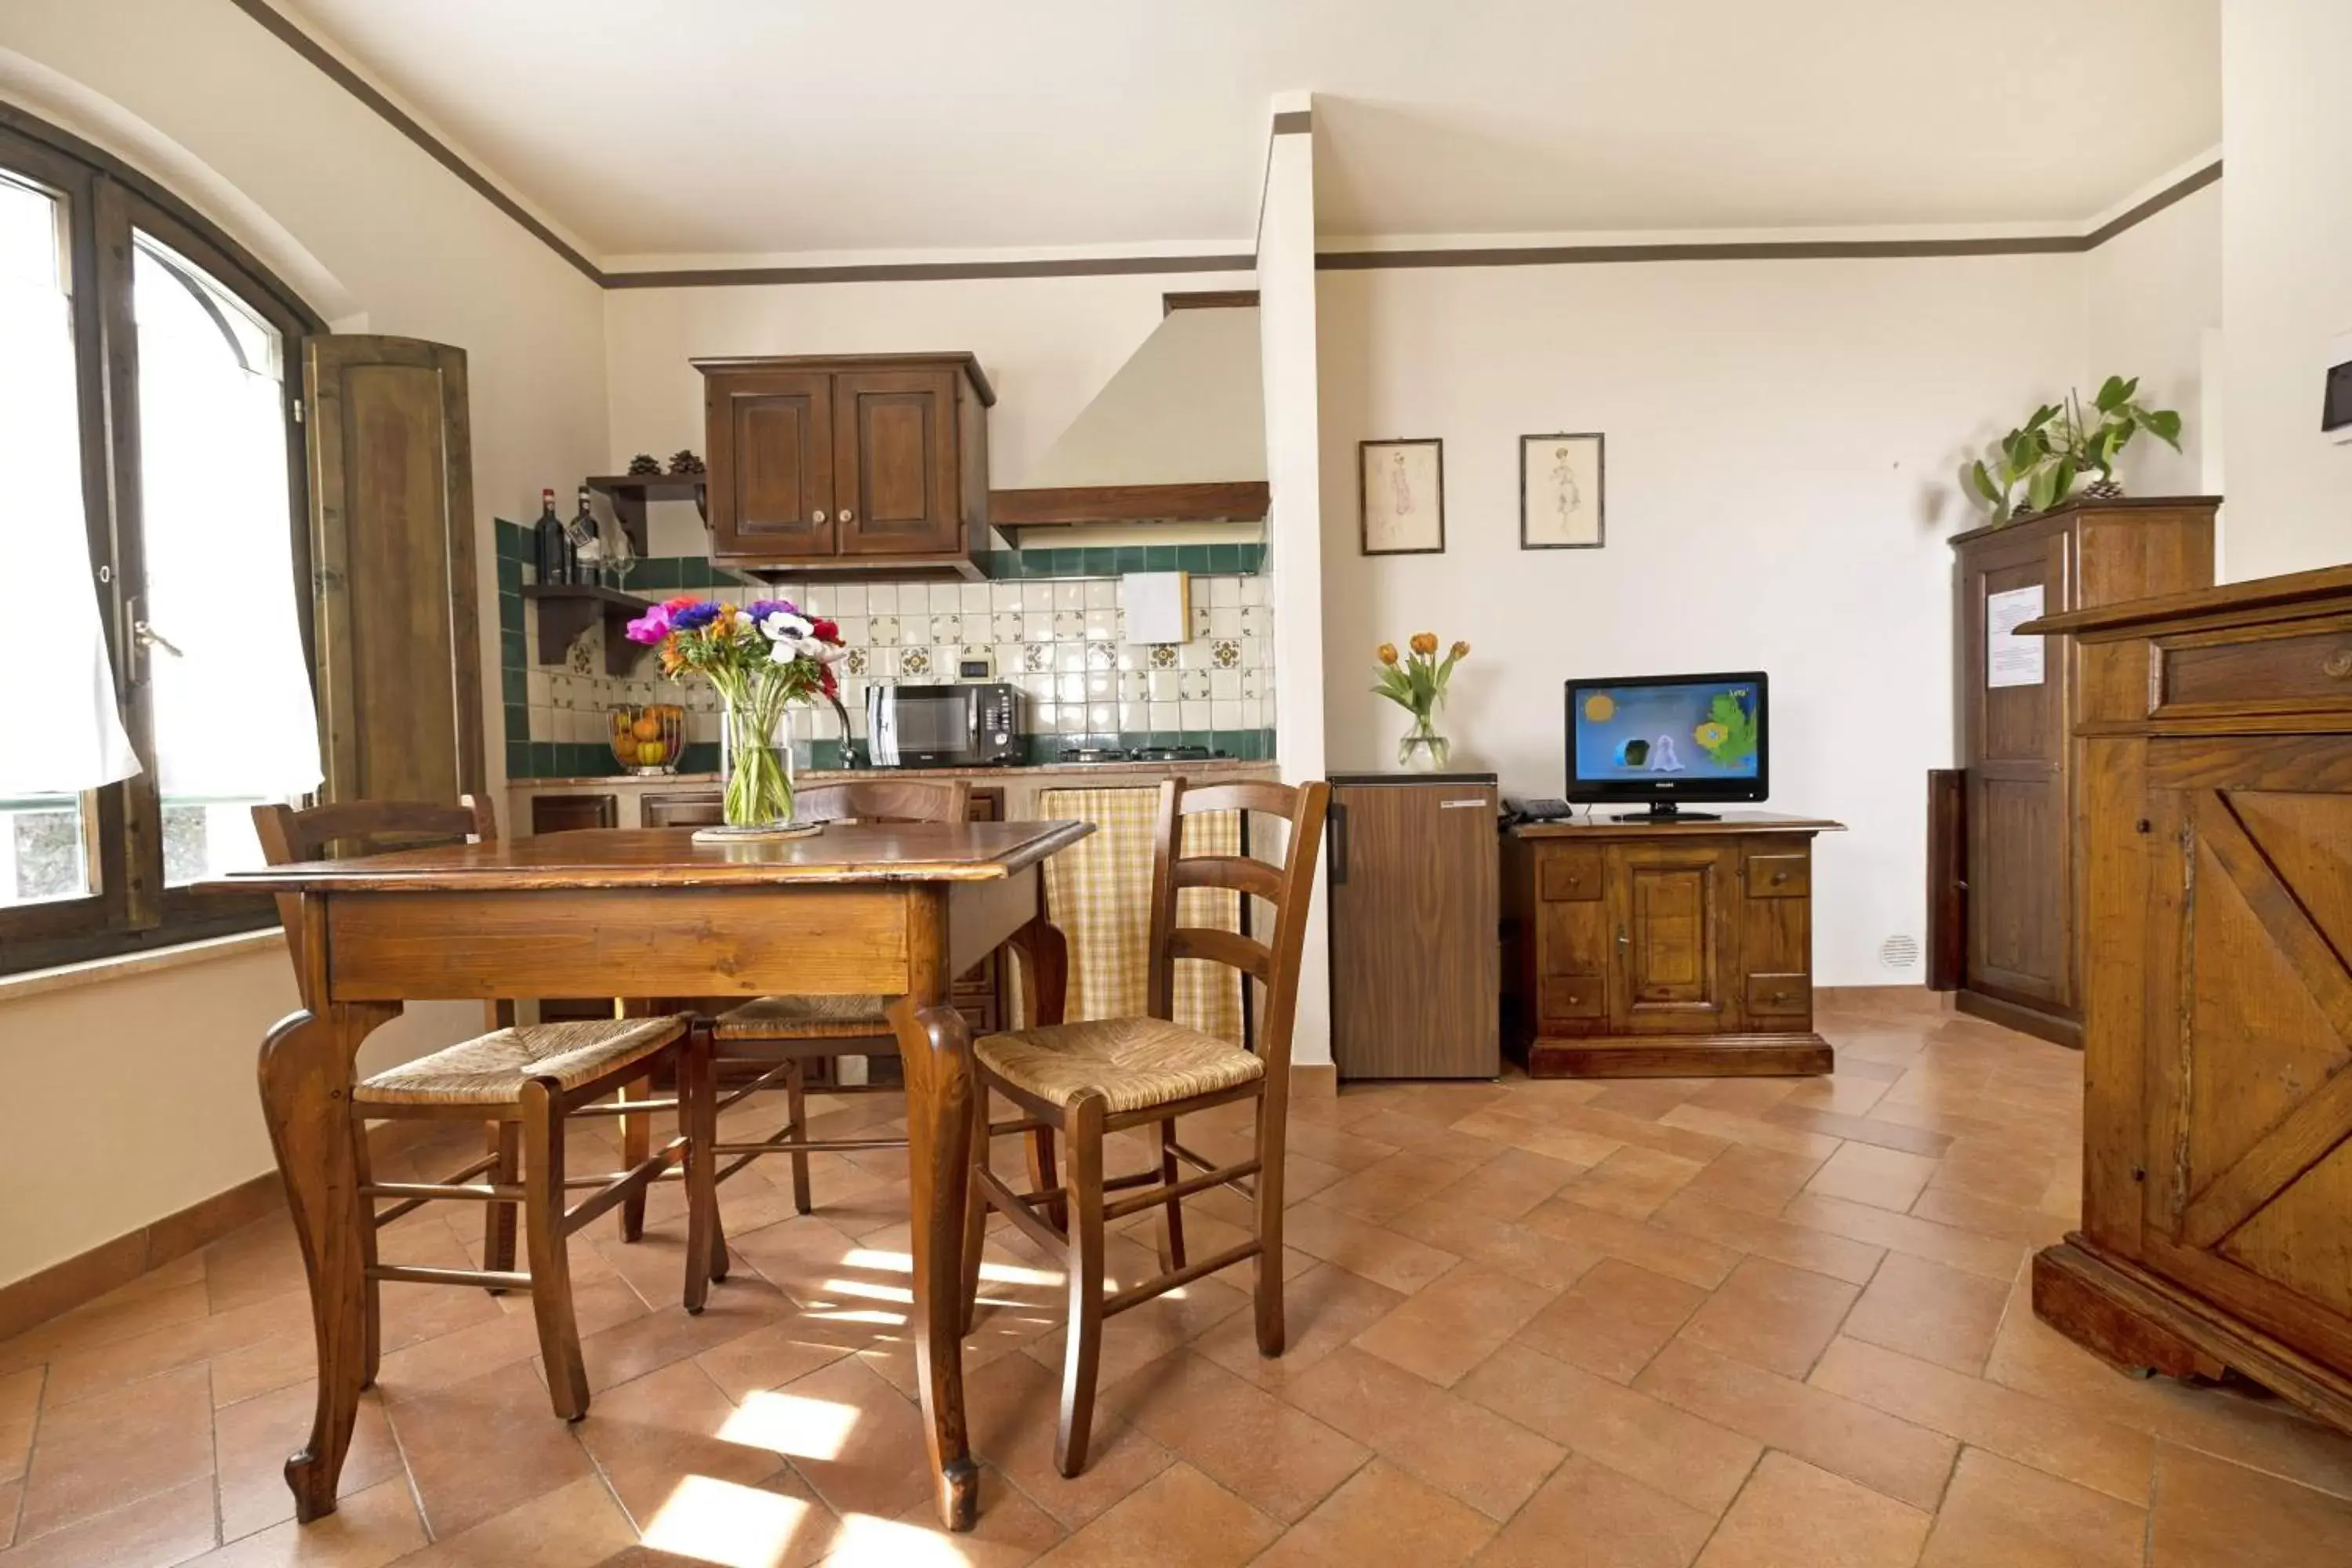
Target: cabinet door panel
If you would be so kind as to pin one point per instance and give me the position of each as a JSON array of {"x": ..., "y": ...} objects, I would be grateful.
[
  {"x": 1672, "y": 908},
  {"x": 772, "y": 449},
  {"x": 2021, "y": 840},
  {"x": 2250, "y": 1132},
  {"x": 1413, "y": 928},
  {"x": 895, "y": 444}
]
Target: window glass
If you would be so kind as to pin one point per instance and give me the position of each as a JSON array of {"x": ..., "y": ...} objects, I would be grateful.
[
  {"x": 44, "y": 849},
  {"x": 233, "y": 719}
]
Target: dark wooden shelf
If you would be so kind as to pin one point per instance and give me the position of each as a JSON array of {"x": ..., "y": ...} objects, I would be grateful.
[
  {"x": 1241, "y": 500},
  {"x": 630, "y": 493},
  {"x": 567, "y": 609}
]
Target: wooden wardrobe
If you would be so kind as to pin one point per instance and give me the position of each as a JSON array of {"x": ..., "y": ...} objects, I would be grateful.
[
  {"x": 2216, "y": 821},
  {"x": 2021, "y": 897}
]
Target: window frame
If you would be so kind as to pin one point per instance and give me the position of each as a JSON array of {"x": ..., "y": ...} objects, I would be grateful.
[{"x": 130, "y": 909}]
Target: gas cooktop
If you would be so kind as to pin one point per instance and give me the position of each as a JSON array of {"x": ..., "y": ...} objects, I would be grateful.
[{"x": 1088, "y": 754}]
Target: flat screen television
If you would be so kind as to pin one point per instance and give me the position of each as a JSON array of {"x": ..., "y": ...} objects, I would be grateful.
[{"x": 1663, "y": 741}]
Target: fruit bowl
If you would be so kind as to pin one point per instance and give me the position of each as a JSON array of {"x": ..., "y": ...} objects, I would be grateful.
[{"x": 647, "y": 741}]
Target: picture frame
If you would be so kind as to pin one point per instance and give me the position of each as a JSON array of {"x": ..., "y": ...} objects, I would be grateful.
[
  {"x": 1563, "y": 491},
  {"x": 1400, "y": 496}
]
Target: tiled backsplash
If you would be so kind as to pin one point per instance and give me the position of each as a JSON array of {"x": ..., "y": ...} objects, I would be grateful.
[{"x": 1060, "y": 638}]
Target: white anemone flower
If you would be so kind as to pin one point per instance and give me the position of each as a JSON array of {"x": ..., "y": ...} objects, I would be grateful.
[
  {"x": 822, "y": 652},
  {"x": 781, "y": 627}
]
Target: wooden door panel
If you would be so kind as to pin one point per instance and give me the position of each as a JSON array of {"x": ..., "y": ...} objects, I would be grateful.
[
  {"x": 771, "y": 456},
  {"x": 392, "y": 528},
  {"x": 2018, "y": 925},
  {"x": 2251, "y": 1131},
  {"x": 2021, "y": 842},
  {"x": 895, "y": 445},
  {"x": 1676, "y": 952}
]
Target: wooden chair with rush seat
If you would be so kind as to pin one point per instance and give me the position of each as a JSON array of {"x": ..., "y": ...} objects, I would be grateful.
[
  {"x": 524, "y": 1082},
  {"x": 791, "y": 1032},
  {"x": 1085, "y": 1081}
]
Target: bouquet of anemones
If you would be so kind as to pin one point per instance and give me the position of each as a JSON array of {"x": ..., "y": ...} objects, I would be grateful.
[
  {"x": 761, "y": 659},
  {"x": 1416, "y": 683}
]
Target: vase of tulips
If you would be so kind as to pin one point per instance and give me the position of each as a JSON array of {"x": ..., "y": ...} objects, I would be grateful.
[
  {"x": 764, "y": 659},
  {"x": 1415, "y": 681}
]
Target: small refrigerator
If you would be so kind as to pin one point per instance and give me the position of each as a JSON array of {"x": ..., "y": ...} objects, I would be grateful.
[{"x": 1416, "y": 962}]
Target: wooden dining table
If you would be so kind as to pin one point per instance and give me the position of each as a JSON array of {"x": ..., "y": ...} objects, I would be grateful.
[{"x": 897, "y": 911}]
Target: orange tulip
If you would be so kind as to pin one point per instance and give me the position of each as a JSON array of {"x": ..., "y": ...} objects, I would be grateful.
[
  {"x": 1387, "y": 652},
  {"x": 1424, "y": 643},
  {"x": 1461, "y": 650}
]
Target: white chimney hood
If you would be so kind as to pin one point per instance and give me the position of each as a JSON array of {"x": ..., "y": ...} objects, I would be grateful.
[{"x": 1178, "y": 432}]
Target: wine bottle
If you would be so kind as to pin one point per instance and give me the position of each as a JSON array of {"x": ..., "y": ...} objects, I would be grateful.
[
  {"x": 550, "y": 547},
  {"x": 586, "y": 541}
]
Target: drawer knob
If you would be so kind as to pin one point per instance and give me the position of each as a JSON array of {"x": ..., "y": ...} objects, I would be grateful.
[
  {"x": 1778, "y": 878},
  {"x": 844, "y": 514},
  {"x": 2339, "y": 663},
  {"x": 817, "y": 516}
]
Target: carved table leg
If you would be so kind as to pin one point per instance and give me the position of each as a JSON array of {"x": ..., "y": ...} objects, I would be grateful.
[
  {"x": 306, "y": 1098},
  {"x": 935, "y": 1042}
]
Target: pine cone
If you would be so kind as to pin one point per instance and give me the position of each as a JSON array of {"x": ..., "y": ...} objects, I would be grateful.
[
  {"x": 684, "y": 461},
  {"x": 644, "y": 463}
]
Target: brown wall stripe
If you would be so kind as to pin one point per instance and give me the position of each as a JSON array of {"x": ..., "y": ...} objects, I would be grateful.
[
  {"x": 303, "y": 43},
  {"x": 1288, "y": 122}
]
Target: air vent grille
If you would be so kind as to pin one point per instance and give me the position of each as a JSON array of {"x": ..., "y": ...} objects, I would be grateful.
[{"x": 1899, "y": 952}]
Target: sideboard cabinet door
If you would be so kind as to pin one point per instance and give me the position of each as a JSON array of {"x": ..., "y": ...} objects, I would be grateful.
[
  {"x": 1670, "y": 908},
  {"x": 2249, "y": 1147}
]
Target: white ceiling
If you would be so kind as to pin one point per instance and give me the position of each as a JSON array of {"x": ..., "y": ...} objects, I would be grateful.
[{"x": 744, "y": 128}]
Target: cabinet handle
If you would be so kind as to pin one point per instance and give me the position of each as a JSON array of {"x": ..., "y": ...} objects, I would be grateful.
[
  {"x": 1622, "y": 939},
  {"x": 844, "y": 514},
  {"x": 2339, "y": 664},
  {"x": 1335, "y": 817},
  {"x": 817, "y": 516},
  {"x": 1778, "y": 878}
]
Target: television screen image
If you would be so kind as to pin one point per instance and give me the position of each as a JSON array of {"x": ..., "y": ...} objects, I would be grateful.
[
  {"x": 1701, "y": 731},
  {"x": 1666, "y": 738}
]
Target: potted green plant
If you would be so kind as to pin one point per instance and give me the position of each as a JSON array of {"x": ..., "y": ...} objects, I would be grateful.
[{"x": 2057, "y": 446}]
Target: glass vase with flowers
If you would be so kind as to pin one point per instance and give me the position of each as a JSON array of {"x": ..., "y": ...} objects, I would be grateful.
[
  {"x": 763, "y": 659},
  {"x": 1416, "y": 683}
]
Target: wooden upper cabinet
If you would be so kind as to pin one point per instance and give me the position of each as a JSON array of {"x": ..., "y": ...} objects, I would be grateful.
[{"x": 838, "y": 462}]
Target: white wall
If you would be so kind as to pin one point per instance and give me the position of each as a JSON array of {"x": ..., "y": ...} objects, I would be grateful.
[
  {"x": 1782, "y": 443},
  {"x": 2150, "y": 296},
  {"x": 2286, "y": 134},
  {"x": 1047, "y": 345},
  {"x": 1290, "y": 325},
  {"x": 380, "y": 239}
]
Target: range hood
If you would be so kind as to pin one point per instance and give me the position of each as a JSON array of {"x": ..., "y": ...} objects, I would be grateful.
[{"x": 1178, "y": 435}]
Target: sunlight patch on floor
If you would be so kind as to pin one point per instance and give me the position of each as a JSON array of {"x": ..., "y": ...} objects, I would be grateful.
[
  {"x": 791, "y": 1424},
  {"x": 866, "y": 1542},
  {"x": 734, "y": 1526}
]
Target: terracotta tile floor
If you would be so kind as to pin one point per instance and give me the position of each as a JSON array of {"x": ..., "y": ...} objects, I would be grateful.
[{"x": 1734, "y": 1322}]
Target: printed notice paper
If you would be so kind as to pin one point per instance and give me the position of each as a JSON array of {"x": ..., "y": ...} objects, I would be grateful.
[{"x": 2011, "y": 659}]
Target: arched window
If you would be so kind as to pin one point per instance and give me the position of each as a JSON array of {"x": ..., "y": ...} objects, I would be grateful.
[{"x": 160, "y": 681}]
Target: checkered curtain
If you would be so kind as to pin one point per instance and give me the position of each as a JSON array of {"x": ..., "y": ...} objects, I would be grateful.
[{"x": 1099, "y": 892}]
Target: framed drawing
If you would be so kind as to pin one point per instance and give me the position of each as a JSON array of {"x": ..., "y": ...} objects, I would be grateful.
[
  {"x": 1400, "y": 497},
  {"x": 1561, "y": 495}
]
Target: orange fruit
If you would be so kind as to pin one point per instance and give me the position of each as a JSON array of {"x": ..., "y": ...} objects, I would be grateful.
[{"x": 648, "y": 728}]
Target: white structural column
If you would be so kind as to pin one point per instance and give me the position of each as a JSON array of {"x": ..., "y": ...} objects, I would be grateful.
[{"x": 1294, "y": 530}]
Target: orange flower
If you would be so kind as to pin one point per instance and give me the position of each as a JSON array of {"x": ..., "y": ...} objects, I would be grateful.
[
  {"x": 1387, "y": 652},
  {"x": 1461, "y": 650},
  {"x": 1424, "y": 643}
]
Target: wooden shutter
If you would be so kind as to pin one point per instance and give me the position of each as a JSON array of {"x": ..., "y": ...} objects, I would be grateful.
[{"x": 392, "y": 550}]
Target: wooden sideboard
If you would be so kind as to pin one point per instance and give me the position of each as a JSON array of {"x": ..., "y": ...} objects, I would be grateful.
[
  {"x": 1661, "y": 949},
  {"x": 2217, "y": 814}
]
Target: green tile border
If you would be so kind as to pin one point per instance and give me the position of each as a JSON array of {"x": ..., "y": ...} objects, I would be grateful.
[{"x": 1112, "y": 561}]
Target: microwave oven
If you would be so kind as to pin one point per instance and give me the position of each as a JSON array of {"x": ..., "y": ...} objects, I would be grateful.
[{"x": 965, "y": 726}]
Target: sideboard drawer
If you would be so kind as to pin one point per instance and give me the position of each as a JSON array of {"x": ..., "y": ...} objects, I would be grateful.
[
  {"x": 1582, "y": 996},
  {"x": 1779, "y": 996},
  {"x": 2300, "y": 670},
  {"x": 1568, "y": 875},
  {"x": 1780, "y": 876}
]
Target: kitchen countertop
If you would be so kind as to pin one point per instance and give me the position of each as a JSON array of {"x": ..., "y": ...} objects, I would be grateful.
[{"x": 833, "y": 775}]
